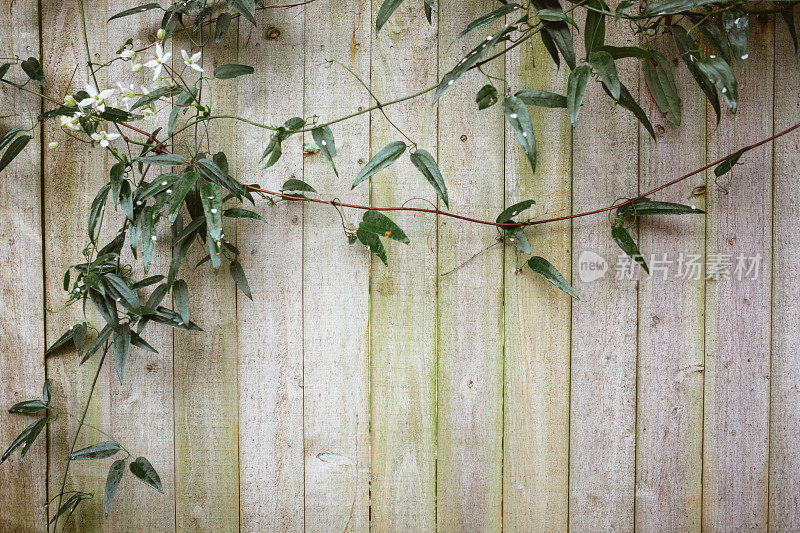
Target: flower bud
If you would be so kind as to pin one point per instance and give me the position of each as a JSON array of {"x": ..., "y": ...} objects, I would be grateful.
[
  {"x": 161, "y": 34},
  {"x": 127, "y": 54},
  {"x": 136, "y": 67},
  {"x": 53, "y": 145},
  {"x": 70, "y": 101}
]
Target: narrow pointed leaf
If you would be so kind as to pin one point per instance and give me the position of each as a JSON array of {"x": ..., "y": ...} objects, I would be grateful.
[
  {"x": 135, "y": 10},
  {"x": 427, "y": 166},
  {"x": 28, "y": 407},
  {"x": 736, "y": 23},
  {"x": 488, "y": 18},
  {"x": 510, "y": 212},
  {"x": 387, "y": 8},
  {"x": 323, "y": 136},
  {"x": 519, "y": 239},
  {"x": 144, "y": 471},
  {"x": 13, "y": 150},
  {"x": 720, "y": 74},
  {"x": 122, "y": 347},
  {"x": 539, "y": 98},
  {"x": 486, "y": 97},
  {"x": 660, "y": 82},
  {"x": 627, "y": 101},
  {"x": 211, "y": 198},
  {"x": 237, "y": 273},
  {"x": 690, "y": 54},
  {"x": 727, "y": 165},
  {"x": 180, "y": 293},
  {"x": 603, "y": 64},
  {"x": 576, "y": 88},
  {"x": 373, "y": 244},
  {"x": 557, "y": 32},
  {"x": 544, "y": 268},
  {"x": 625, "y": 241},
  {"x": 519, "y": 118},
  {"x": 388, "y": 155},
  {"x": 237, "y": 212},
  {"x": 379, "y": 224},
  {"x": 646, "y": 206},
  {"x": 594, "y": 32},
  {"x": 101, "y": 450},
  {"x": 115, "y": 473}
]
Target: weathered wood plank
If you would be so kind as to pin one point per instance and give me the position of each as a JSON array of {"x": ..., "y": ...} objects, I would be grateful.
[
  {"x": 603, "y": 384},
  {"x": 470, "y": 308},
  {"x": 205, "y": 389},
  {"x": 403, "y": 322},
  {"x": 336, "y": 277},
  {"x": 537, "y": 316},
  {"x": 270, "y": 327},
  {"x": 72, "y": 176},
  {"x": 670, "y": 374},
  {"x": 784, "y": 475},
  {"x": 142, "y": 407},
  {"x": 21, "y": 304},
  {"x": 736, "y": 413}
]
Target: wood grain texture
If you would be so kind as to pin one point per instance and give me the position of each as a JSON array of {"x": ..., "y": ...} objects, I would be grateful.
[
  {"x": 205, "y": 390},
  {"x": 470, "y": 307},
  {"x": 142, "y": 407},
  {"x": 24, "y": 491},
  {"x": 72, "y": 176},
  {"x": 270, "y": 327},
  {"x": 671, "y": 310},
  {"x": 336, "y": 277},
  {"x": 736, "y": 413},
  {"x": 537, "y": 315},
  {"x": 403, "y": 304},
  {"x": 784, "y": 474},
  {"x": 603, "y": 371}
]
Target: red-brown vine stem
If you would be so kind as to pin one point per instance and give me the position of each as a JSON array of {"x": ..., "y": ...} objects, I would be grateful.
[{"x": 337, "y": 203}]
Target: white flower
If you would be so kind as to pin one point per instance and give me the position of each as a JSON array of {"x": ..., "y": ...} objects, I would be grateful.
[
  {"x": 127, "y": 54},
  {"x": 96, "y": 98},
  {"x": 72, "y": 123},
  {"x": 128, "y": 94},
  {"x": 191, "y": 62},
  {"x": 158, "y": 63},
  {"x": 149, "y": 110},
  {"x": 104, "y": 137}
]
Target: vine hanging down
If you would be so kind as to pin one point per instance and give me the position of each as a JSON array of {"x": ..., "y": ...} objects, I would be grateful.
[{"x": 156, "y": 181}]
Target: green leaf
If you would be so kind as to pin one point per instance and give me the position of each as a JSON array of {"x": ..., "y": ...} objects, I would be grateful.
[
  {"x": 232, "y": 70},
  {"x": 70, "y": 505},
  {"x": 670, "y": 7},
  {"x": 237, "y": 273},
  {"x": 96, "y": 210},
  {"x": 25, "y": 439},
  {"x": 544, "y": 268},
  {"x": 246, "y": 8},
  {"x": 688, "y": 51},
  {"x": 381, "y": 160},
  {"x": 541, "y": 98},
  {"x": 576, "y": 88},
  {"x": 4, "y": 69},
  {"x": 720, "y": 74},
  {"x": 104, "y": 334},
  {"x": 556, "y": 15},
  {"x": 479, "y": 22},
  {"x": 727, "y": 165},
  {"x": 379, "y": 224},
  {"x": 427, "y": 166},
  {"x": 112, "y": 483},
  {"x": 486, "y": 97},
  {"x": 627, "y": 101},
  {"x": 429, "y": 10},
  {"x": 621, "y": 52},
  {"x": 603, "y": 64},
  {"x": 622, "y": 7},
  {"x": 713, "y": 33},
  {"x": 211, "y": 198},
  {"x": 115, "y": 178},
  {"x": 551, "y": 48},
  {"x": 373, "y": 244},
  {"x": 8, "y": 136},
  {"x": 46, "y": 391},
  {"x": 221, "y": 27},
  {"x": 179, "y": 192},
  {"x": 122, "y": 347},
  {"x": 163, "y": 92},
  {"x": 519, "y": 239},
  {"x": 471, "y": 59},
  {"x": 557, "y": 32},
  {"x": 295, "y": 185},
  {"x": 163, "y": 160},
  {"x": 129, "y": 296},
  {"x": 387, "y": 8},
  {"x": 323, "y": 136},
  {"x": 646, "y": 206},
  {"x": 236, "y": 212},
  {"x": 147, "y": 231},
  {"x": 33, "y": 69},
  {"x": 625, "y": 241},
  {"x": 736, "y": 23},
  {"x": 101, "y": 450},
  {"x": 510, "y": 212},
  {"x": 594, "y": 32},
  {"x": 170, "y": 318},
  {"x": 144, "y": 471},
  {"x": 65, "y": 338},
  {"x": 13, "y": 150},
  {"x": 180, "y": 293},
  {"x": 660, "y": 82},
  {"x": 520, "y": 120},
  {"x": 126, "y": 199},
  {"x": 28, "y": 407},
  {"x": 139, "y": 342},
  {"x": 135, "y": 10}
]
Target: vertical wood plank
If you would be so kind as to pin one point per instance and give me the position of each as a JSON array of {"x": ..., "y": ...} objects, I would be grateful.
[
  {"x": 336, "y": 277},
  {"x": 270, "y": 327},
  {"x": 470, "y": 308},
  {"x": 205, "y": 390},
  {"x": 142, "y": 407},
  {"x": 72, "y": 176},
  {"x": 403, "y": 318},
  {"x": 784, "y": 499},
  {"x": 603, "y": 379},
  {"x": 21, "y": 303},
  {"x": 537, "y": 316},
  {"x": 736, "y": 417},
  {"x": 671, "y": 309}
]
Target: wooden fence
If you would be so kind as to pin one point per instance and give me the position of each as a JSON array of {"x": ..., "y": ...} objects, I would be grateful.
[{"x": 448, "y": 391}]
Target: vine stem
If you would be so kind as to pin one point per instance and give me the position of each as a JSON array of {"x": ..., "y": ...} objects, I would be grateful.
[
  {"x": 81, "y": 423},
  {"x": 435, "y": 211}
]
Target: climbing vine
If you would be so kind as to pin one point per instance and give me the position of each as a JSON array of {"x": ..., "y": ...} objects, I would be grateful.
[{"x": 156, "y": 180}]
